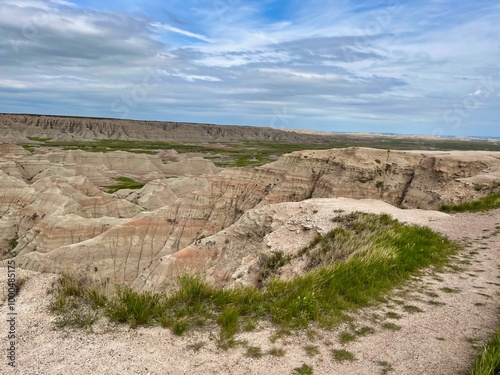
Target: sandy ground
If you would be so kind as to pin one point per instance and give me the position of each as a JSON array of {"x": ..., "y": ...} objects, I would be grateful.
[{"x": 437, "y": 338}]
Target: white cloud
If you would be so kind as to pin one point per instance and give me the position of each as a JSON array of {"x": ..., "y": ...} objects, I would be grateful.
[{"x": 180, "y": 31}]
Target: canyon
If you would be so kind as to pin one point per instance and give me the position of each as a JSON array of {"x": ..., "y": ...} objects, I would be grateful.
[{"x": 192, "y": 216}]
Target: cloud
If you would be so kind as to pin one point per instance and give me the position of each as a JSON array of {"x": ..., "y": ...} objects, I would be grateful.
[
  {"x": 180, "y": 31},
  {"x": 379, "y": 67}
]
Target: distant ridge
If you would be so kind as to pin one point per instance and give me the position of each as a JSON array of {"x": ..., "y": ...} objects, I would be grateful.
[{"x": 66, "y": 128}]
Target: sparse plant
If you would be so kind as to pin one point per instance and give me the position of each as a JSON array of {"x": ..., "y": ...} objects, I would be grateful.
[
  {"x": 254, "y": 352},
  {"x": 269, "y": 264},
  {"x": 451, "y": 290},
  {"x": 276, "y": 352},
  {"x": 479, "y": 187},
  {"x": 197, "y": 346},
  {"x": 346, "y": 337},
  {"x": 180, "y": 326},
  {"x": 303, "y": 370},
  {"x": 311, "y": 350},
  {"x": 386, "y": 367},
  {"x": 249, "y": 325},
  {"x": 13, "y": 242},
  {"x": 311, "y": 334},
  {"x": 363, "y": 331},
  {"x": 412, "y": 309},
  {"x": 341, "y": 355},
  {"x": 392, "y": 315},
  {"x": 391, "y": 326},
  {"x": 228, "y": 322}
]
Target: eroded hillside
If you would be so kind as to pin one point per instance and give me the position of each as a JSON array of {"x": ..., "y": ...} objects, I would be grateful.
[{"x": 190, "y": 215}]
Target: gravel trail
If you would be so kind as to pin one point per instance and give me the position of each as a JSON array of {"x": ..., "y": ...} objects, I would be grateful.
[{"x": 430, "y": 326}]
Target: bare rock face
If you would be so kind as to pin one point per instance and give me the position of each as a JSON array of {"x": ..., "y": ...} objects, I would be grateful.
[
  {"x": 30, "y": 210},
  {"x": 402, "y": 178},
  {"x": 99, "y": 167},
  {"x": 55, "y": 215},
  {"x": 15, "y": 128},
  {"x": 231, "y": 256},
  {"x": 191, "y": 167}
]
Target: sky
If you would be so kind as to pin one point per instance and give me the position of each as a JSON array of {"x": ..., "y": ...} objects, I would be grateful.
[{"x": 393, "y": 66}]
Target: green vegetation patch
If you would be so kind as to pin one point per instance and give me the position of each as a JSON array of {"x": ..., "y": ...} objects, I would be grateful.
[
  {"x": 13, "y": 242},
  {"x": 38, "y": 139},
  {"x": 256, "y": 153},
  {"x": 390, "y": 253},
  {"x": 489, "y": 202},
  {"x": 303, "y": 370},
  {"x": 124, "y": 183},
  {"x": 488, "y": 362},
  {"x": 341, "y": 355}
]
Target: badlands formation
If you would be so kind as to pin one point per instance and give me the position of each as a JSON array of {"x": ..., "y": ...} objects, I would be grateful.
[
  {"x": 17, "y": 128},
  {"x": 191, "y": 216}
]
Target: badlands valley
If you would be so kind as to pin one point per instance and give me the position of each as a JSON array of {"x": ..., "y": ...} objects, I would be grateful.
[{"x": 139, "y": 204}]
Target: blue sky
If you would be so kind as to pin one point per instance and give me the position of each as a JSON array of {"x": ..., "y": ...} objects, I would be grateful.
[{"x": 395, "y": 66}]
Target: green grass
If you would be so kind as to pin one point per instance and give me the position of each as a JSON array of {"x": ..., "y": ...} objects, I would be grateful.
[
  {"x": 256, "y": 153},
  {"x": 311, "y": 350},
  {"x": 124, "y": 183},
  {"x": 488, "y": 362},
  {"x": 392, "y": 315},
  {"x": 276, "y": 352},
  {"x": 228, "y": 322},
  {"x": 76, "y": 301},
  {"x": 391, "y": 326},
  {"x": 303, "y": 370},
  {"x": 346, "y": 337},
  {"x": 341, "y": 355},
  {"x": 254, "y": 352},
  {"x": 377, "y": 254},
  {"x": 386, "y": 367},
  {"x": 38, "y": 139},
  {"x": 269, "y": 264},
  {"x": 412, "y": 309},
  {"x": 489, "y": 202}
]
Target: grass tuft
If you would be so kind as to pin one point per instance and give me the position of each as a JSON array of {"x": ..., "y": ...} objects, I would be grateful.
[
  {"x": 341, "y": 355},
  {"x": 254, "y": 352},
  {"x": 311, "y": 350},
  {"x": 489, "y": 202},
  {"x": 269, "y": 264},
  {"x": 488, "y": 362},
  {"x": 391, "y": 326},
  {"x": 303, "y": 370},
  {"x": 276, "y": 352}
]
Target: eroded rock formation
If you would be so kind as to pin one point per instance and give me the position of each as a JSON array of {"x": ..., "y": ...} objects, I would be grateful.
[{"x": 55, "y": 214}]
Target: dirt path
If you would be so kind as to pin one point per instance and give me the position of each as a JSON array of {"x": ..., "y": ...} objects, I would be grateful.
[{"x": 428, "y": 327}]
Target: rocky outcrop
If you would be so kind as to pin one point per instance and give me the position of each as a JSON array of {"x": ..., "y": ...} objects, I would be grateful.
[{"x": 231, "y": 256}]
